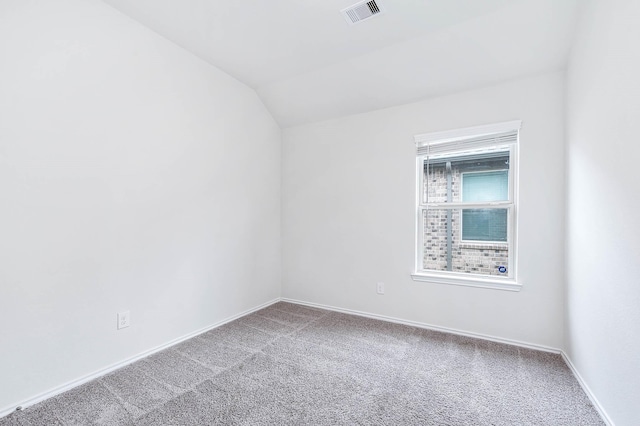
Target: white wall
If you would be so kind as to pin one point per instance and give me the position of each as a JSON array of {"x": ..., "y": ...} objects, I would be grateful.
[
  {"x": 132, "y": 176},
  {"x": 603, "y": 200},
  {"x": 349, "y": 213}
]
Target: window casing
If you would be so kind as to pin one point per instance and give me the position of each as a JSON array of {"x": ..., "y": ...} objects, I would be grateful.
[{"x": 467, "y": 206}]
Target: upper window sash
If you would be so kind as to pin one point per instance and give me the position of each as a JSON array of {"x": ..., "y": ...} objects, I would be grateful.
[
  {"x": 492, "y": 138},
  {"x": 423, "y": 201}
]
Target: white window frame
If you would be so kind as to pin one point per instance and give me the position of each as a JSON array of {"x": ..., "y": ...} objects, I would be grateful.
[
  {"x": 481, "y": 242},
  {"x": 458, "y": 138}
]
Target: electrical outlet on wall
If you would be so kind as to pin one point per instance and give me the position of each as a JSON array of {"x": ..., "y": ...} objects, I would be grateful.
[
  {"x": 380, "y": 288},
  {"x": 124, "y": 319}
]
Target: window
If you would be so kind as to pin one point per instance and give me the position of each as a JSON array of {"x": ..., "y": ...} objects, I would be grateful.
[{"x": 466, "y": 206}]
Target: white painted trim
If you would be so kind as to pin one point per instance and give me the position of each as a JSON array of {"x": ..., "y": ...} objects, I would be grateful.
[
  {"x": 599, "y": 408},
  {"x": 450, "y": 277},
  {"x": 455, "y": 134},
  {"x": 565, "y": 357},
  {"x": 428, "y": 326},
  {"x": 419, "y": 230},
  {"x": 459, "y": 205},
  {"x": 96, "y": 374},
  {"x": 453, "y": 278}
]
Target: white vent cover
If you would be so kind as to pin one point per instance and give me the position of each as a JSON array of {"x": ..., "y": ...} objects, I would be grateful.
[{"x": 361, "y": 11}]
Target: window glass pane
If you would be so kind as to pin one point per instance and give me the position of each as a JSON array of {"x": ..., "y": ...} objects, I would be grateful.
[
  {"x": 435, "y": 237},
  {"x": 484, "y": 225},
  {"x": 485, "y": 186},
  {"x": 481, "y": 175},
  {"x": 444, "y": 249}
]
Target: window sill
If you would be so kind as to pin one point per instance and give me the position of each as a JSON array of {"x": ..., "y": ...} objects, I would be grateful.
[{"x": 482, "y": 282}]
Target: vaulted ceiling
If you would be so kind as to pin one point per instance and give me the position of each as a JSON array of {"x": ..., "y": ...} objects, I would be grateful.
[{"x": 308, "y": 64}]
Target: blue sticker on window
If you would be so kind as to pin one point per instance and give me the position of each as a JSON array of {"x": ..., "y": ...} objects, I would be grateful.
[{"x": 502, "y": 269}]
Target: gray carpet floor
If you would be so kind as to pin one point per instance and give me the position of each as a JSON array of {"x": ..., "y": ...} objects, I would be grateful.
[{"x": 293, "y": 365}]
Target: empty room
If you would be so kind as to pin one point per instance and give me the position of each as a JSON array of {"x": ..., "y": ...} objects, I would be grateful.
[{"x": 319, "y": 212}]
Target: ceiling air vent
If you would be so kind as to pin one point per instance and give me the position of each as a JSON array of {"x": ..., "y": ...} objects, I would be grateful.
[{"x": 361, "y": 11}]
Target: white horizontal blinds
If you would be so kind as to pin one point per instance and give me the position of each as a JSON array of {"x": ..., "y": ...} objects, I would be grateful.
[{"x": 467, "y": 144}]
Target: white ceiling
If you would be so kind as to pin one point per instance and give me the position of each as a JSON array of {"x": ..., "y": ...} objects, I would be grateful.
[{"x": 308, "y": 64}]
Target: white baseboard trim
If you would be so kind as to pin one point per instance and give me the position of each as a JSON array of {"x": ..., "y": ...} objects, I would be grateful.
[
  {"x": 82, "y": 380},
  {"x": 587, "y": 390},
  {"x": 428, "y": 326},
  {"x": 96, "y": 374},
  {"x": 566, "y": 358}
]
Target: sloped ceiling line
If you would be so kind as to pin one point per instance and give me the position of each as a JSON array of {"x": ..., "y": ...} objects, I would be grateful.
[{"x": 307, "y": 64}]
